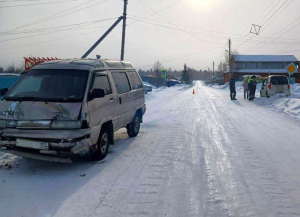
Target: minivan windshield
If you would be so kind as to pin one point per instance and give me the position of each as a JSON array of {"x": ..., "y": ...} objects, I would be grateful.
[
  {"x": 50, "y": 85},
  {"x": 279, "y": 80}
]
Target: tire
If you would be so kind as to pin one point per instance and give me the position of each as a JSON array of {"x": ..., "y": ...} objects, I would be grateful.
[
  {"x": 260, "y": 94},
  {"x": 134, "y": 127},
  {"x": 267, "y": 95},
  {"x": 102, "y": 146}
]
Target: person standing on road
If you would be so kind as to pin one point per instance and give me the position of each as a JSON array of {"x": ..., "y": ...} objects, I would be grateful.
[
  {"x": 251, "y": 87},
  {"x": 254, "y": 88},
  {"x": 246, "y": 91},
  {"x": 232, "y": 89}
]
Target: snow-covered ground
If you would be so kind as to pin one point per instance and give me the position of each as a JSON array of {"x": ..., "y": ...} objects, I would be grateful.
[
  {"x": 196, "y": 155},
  {"x": 289, "y": 106}
]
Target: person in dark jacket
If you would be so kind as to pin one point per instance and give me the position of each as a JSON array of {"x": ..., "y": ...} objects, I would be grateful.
[
  {"x": 254, "y": 88},
  {"x": 232, "y": 89},
  {"x": 251, "y": 84}
]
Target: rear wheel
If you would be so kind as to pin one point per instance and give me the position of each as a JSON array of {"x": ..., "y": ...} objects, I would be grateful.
[
  {"x": 101, "y": 146},
  {"x": 134, "y": 127},
  {"x": 267, "y": 95}
]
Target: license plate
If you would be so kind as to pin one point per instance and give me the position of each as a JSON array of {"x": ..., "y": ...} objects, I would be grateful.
[{"x": 32, "y": 144}]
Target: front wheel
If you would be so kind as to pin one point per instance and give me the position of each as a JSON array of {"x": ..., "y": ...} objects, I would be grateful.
[
  {"x": 134, "y": 127},
  {"x": 101, "y": 146}
]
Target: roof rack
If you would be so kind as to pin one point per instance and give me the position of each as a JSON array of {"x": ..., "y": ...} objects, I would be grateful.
[{"x": 32, "y": 61}]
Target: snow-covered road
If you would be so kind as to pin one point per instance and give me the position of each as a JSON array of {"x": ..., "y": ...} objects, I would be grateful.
[{"x": 196, "y": 155}]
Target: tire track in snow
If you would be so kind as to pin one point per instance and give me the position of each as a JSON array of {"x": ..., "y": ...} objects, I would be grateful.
[{"x": 275, "y": 202}]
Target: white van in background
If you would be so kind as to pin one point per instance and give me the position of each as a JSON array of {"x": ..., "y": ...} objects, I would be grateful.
[{"x": 274, "y": 84}]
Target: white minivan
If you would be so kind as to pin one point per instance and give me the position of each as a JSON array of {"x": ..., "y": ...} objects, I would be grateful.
[
  {"x": 275, "y": 84},
  {"x": 60, "y": 110}
]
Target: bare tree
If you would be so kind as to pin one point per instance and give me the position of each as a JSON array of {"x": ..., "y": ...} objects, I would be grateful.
[
  {"x": 157, "y": 67},
  {"x": 234, "y": 52}
]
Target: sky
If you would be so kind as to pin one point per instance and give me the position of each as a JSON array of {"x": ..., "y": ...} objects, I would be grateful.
[{"x": 174, "y": 32}]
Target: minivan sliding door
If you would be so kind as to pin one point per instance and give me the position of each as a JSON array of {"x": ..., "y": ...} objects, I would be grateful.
[{"x": 126, "y": 104}]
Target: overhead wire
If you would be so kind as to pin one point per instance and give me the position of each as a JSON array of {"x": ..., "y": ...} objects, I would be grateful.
[
  {"x": 210, "y": 35},
  {"x": 36, "y": 4},
  {"x": 55, "y": 15},
  {"x": 57, "y": 27},
  {"x": 257, "y": 46},
  {"x": 173, "y": 23},
  {"x": 252, "y": 36},
  {"x": 59, "y": 30}
]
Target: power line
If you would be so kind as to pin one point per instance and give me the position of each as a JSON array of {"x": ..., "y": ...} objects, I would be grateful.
[
  {"x": 21, "y": 0},
  {"x": 58, "y": 27},
  {"x": 58, "y": 30},
  {"x": 275, "y": 12},
  {"x": 54, "y": 15},
  {"x": 173, "y": 23},
  {"x": 44, "y": 3},
  {"x": 257, "y": 20},
  {"x": 272, "y": 21},
  {"x": 43, "y": 42},
  {"x": 257, "y": 46},
  {"x": 201, "y": 29},
  {"x": 158, "y": 11},
  {"x": 216, "y": 36}
]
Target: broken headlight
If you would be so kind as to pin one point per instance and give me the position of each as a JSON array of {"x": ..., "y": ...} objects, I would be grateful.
[
  {"x": 62, "y": 125},
  {"x": 2, "y": 124}
]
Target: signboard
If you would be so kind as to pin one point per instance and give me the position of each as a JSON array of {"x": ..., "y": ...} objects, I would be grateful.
[
  {"x": 163, "y": 73},
  {"x": 291, "y": 68}
]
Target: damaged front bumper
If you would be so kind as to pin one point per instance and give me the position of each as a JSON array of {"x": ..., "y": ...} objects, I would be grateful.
[{"x": 49, "y": 145}]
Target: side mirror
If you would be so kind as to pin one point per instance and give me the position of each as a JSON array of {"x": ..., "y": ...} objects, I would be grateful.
[
  {"x": 3, "y": 91},
  {"x": 97, "y": 93}
]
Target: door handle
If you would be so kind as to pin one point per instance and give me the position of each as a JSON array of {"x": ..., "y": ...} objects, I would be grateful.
[
  {"x": 120, "y": 100},
  {"x": 111, "y": 99}
]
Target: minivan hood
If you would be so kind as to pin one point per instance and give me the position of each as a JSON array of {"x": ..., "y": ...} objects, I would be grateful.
[{"x": 28, "y": 110}]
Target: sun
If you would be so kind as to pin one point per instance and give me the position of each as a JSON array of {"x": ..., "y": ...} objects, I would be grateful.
[{"x": 202, "y": 4}]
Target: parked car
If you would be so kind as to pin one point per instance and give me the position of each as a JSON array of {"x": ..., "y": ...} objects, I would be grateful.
[
  {"x": 7, "y": 80},
  {"x": 148, "y": 87},
  {"x": 275, "y": 84},
  {"x": 172, "y": 82},
  {"x": 61, "y": 110}
]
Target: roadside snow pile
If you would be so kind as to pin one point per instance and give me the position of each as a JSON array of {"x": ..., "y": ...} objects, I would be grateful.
[
  {"x": 6, "y": 160},
  {"x": 280, "y": 103},
  {"x": 289, "y": 106}
]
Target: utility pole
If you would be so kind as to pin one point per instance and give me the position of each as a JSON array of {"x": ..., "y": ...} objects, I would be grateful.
[
  {"x": 229, "y": 51},
  {"x": 109, "y": 30},
  {"x": 213, "y": 71},
  {"x": 124, "y": 29}
]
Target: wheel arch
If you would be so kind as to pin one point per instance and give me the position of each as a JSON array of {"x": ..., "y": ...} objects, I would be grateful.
[
  {"x": 110, "y": 127},
  {"x": 139, "y": 112}
]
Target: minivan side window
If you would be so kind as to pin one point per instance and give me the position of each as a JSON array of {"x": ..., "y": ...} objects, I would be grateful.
[
  {"x": 101, "y": 82},
  {"x": 121, "y": 81},
  {"x": 135, "y": 80}
]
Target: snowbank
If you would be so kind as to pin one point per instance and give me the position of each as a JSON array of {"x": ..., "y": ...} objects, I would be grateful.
[{"x": 289, "y": 106}]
